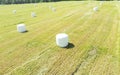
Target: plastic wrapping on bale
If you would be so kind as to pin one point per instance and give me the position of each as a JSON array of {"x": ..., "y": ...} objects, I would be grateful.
[
  {"x": 62, "y": 39},
  {"x": 33, "y": 14},
  {"x": 95, "y": 8},
  {"x": 14, "y": 11},
  {"x": 21, "y": 28},
  {"x": 53, "y": 9}
]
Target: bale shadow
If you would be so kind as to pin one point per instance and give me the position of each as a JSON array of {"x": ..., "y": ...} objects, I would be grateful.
[
  {"x": 25, "y": 31},
  {"x": 70, "y": 45}
]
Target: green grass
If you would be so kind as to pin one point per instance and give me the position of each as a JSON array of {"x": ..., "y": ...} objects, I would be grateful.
[{"x": 95, "y": 36}]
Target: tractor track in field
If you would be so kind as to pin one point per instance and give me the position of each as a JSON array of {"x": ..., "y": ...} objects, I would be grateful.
[
  {"x": 87, "y": 57},
  {"x": 110, "y": 47},
  {"x": 93, "y": 42}
]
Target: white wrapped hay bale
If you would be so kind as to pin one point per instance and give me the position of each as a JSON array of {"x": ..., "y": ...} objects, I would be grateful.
[
  {"x": 53, "y": 9},
  {"x": 62, "y": 39},
  {"x": 14, "y": 11},
  {"x": 21, "y": 28},
  {"x": 33, "y": 14},
  {"x": 95, "y": 8}
]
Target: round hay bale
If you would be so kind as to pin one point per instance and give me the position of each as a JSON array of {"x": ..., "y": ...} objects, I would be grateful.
[
  {"x": 53, "y": 9},
  {"x": 62, "y": 40},
  {"x": 33, "y": 14},
  {"x": 95, "y": 8},
  {"x": 14, "y": 11},
  {"x": 21, "y": 28}
]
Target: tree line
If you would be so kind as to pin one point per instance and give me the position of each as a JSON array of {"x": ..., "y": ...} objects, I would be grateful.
[
  {"x": 34, "y": 1},
  {"x": 24, "y": 1}
]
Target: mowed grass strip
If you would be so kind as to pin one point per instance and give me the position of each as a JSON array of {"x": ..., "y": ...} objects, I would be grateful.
[{"x": 35, "y": 52}]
